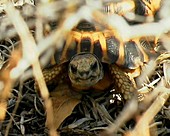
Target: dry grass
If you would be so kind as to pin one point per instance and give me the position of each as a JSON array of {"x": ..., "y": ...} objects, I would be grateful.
[{"x": 28, "y": 39}]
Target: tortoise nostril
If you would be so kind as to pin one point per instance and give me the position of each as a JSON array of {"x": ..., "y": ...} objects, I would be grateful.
[{"x": 84, "y": 74}]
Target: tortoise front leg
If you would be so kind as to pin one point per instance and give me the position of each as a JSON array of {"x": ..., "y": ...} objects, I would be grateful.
[
  {"x": 122, "y": 82},
  {"x": 54, "y": 74}
]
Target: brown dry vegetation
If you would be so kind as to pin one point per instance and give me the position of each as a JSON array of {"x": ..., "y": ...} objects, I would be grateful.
[{"x": 29, "y": 34}]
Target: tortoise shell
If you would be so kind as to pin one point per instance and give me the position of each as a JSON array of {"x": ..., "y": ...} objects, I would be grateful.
[{"x": 106, "y": 45}]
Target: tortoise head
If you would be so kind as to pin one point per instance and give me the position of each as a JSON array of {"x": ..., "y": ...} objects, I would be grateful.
[{"x": 85, "y": 70}]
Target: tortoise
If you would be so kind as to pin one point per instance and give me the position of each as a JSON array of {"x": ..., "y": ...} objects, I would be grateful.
[{"x": 97, "y": 60}]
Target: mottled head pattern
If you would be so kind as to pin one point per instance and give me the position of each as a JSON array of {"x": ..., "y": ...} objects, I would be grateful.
[{"x": 85, "y": 70}]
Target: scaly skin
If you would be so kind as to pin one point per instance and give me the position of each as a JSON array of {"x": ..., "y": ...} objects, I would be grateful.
[
  {"x": 54, "y": 74},
  {"x": 122, "y": 82}
]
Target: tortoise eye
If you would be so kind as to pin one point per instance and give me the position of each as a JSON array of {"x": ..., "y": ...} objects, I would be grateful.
[
  {"x": 73, "y": 69},
  {"x": 94, "y": 66}
]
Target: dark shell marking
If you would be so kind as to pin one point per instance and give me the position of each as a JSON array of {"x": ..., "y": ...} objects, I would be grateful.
[{"x": 105, "y": 45}]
